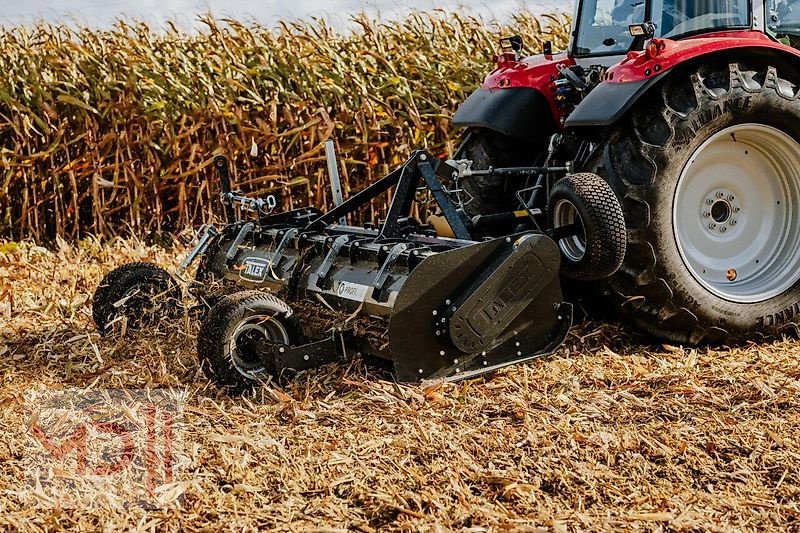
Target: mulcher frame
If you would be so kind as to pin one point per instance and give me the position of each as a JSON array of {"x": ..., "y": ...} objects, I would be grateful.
[{"x": 398, "y": 238}]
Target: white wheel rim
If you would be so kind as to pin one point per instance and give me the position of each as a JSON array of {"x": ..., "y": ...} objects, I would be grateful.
[
  {"x": 735, "y": 215},
  {"x": 248, "y": 364},
  {"x": 565, "y": 214}
]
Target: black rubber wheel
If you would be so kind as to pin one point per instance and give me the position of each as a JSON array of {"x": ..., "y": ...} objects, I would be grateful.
[
  {"x": 229, "y": 336},
  {"x": 492, "y": 194},
  {"x": 587, "y": 201},
  {"x": 726, "y": 123},
  {"x": 142, "y": 293}
]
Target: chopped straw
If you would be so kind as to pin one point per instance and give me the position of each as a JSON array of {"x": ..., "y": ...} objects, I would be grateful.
[{"x": 609, "y": 433}]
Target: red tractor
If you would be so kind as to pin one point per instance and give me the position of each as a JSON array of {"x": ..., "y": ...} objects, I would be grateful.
[
  {"x": 689, "y": 110},
  {"x": 657, "y": 158}
]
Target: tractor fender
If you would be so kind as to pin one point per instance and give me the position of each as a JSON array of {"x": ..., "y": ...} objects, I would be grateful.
[
  {"x": 630, "y": 79},
  {"x": 517, "y": 98},
  {"x": 519, "y": 112}
]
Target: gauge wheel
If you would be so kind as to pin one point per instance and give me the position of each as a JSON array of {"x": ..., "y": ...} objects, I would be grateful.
[
  {"x": 134, "y": 297},
  {"x": 233, "y": 335}
]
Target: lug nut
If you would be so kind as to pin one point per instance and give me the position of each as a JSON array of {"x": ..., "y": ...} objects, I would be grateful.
[
  {"x": 737, "y": 209},
  {"x": 720, "y": 195},
  {"x": 712, "y": 226},
  {"x": 706, "y": 214},
  {"x": 723, "y": 229},
  {"x": 733, "y": 222},
  {"x": 731, "y": 198},
  {"x": 709, "y": 201}
]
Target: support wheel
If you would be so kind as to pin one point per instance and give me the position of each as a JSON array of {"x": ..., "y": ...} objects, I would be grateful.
[
  {"x": 596, "y": 247},
  {"x": 135, "y": 296},
  {"x": 230, "y": 338}
]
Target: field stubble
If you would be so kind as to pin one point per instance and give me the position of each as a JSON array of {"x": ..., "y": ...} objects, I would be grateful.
[{"x": 608, "y": 433}]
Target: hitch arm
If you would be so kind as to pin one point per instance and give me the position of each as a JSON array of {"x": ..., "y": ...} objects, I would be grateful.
[{"x": 222, "y": 166}]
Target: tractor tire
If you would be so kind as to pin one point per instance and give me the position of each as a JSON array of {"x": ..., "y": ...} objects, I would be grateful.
[
  {"x": 707, "y": 167},
  {"x": 141, "y": 293},
  {"x": 487, "y": 195},
  {"x": 596, "y": 252},
  {"x": 227, "y": 337}
]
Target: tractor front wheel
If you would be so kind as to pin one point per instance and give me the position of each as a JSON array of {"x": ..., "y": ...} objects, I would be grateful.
[{"x": 708, "y": 170}]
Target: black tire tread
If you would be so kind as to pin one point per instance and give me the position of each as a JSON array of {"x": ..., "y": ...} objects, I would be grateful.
[
  {"x": 117, "y": 282},
  {"x": 216, "y": 328},
  {"x": 642, "y": 292},
  {"x": 603, "y": 221}
]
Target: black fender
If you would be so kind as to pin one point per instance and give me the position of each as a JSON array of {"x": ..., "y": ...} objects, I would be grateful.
[
  {"x": 519, "y": 112},
  {"x": 608, "y": 102}
]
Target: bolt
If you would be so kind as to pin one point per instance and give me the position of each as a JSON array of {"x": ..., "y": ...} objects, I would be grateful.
[
  {"x": 732, "y": 274},
  {"x": 508, "y": 239},
  {"x": 444, "y": 321},
  {"x": 423, "y": 157},
  {"x": 731, "y": 198},
  {"x": 733, "y": 222},
  {"x": 712, "y": 226},
  {"x": 385, "y": 248},
  {"x": 447, "y": 302},
  {"x": 442, "y": 353},
  {"x": 737, "y": 209},
  {"x": 486, "y": 363},
  {"x": 720, "y": 195},
  {"x": 421, "y": 371},
  {"x": 305, "y": 358},
  {"x": 282, "y": 350},
  {"x": 458, "y": 370},
  {"x": 455, "y": 309},
  {"x": 435, "y": 312},
  {"x": 438, "y": 333},
  {"x": 706, "y": 214},
  {"x": 455, "y": 361},
  {"x": 723, "y": 229},
  {"x": 415, "y": 252},
  {"x": 517, "y": 345},
  {"x": 519, "y": 354},
  {"x": 709, "y": 201},
  {"x": 483, "y": 354},
  {"x": 356, "y": 244}
]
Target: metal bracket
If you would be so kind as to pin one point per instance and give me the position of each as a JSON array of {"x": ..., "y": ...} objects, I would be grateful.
[
  {"x": 449, "y": 211},
  {"x": 243, "y": 233},
  {"x": 204, "y": 236},
  {"x": 325, "y": 267},
  {"x": 283, "y": 357},
  {"x": 390, "y": 261},
  {"x": 288, "y": 236}
]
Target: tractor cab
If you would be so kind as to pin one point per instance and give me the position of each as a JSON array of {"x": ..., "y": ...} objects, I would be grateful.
[{"x": 602, "y": 26}]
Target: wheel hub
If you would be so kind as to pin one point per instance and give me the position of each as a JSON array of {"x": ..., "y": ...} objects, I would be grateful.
[
  {"x": 246, "y": 339},
  {"x": 721, "y": 208},
  {"x": 735, "y": 214}
]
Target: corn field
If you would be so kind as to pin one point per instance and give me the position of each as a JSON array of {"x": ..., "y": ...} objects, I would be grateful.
[{"x": 109, "y": 132}]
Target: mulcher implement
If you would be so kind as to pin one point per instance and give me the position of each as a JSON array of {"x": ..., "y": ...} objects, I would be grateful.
[{"x": 288, "y": 291}]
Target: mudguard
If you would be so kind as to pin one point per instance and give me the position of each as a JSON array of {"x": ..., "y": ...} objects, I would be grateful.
[
  {"x": 519, "y": 112},
  {"x": 608, "y": 102}
]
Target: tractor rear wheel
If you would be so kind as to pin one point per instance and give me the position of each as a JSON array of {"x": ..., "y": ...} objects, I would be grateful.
[
  {"x": 708, "y": 172},
  {"x": 482, "y": 195}
]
